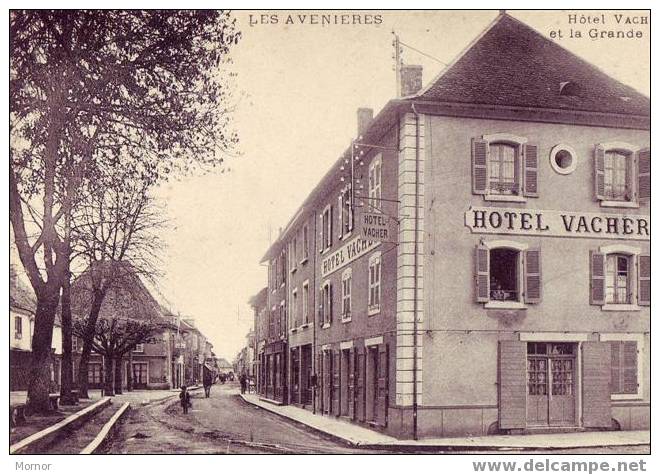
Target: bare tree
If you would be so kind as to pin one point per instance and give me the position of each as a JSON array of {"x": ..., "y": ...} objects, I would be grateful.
[
  {"x": 120, "y": 224},
  {"x": 93, "y": 92}
]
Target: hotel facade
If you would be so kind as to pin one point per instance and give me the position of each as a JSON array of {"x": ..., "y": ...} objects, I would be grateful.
[{"x": 515, "y": 297}]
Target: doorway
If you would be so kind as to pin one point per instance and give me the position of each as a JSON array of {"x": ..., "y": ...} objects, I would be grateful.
[
  {"x": 140, "y": 374},
  {"x": 551, "y": 383}
]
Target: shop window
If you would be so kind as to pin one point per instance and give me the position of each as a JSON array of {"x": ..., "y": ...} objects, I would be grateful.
[
  {"x": 504, "y": 167},
  {"x": 346, "y": 283},
  {"x": 622, "y": 174},
  {"x": 507, "y": 274},
  {"x": 620, "y": 278},
  {"x": 374, "y": 283}
]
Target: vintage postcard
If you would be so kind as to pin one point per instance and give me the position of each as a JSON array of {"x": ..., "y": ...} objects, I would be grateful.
[{"x": 330, "y": 232}]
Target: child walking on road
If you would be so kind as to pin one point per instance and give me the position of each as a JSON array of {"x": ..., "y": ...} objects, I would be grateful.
[{"x": 185, "y": 399}]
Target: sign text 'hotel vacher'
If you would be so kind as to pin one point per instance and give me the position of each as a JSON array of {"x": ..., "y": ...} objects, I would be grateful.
[{"x": 493, "y": 220}]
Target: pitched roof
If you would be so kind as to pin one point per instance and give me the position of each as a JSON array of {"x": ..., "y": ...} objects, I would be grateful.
[
  {"x": 20, "y": 295},
  {"x": 511, "y": 64}
]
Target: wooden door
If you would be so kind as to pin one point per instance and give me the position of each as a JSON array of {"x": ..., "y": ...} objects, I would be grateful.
[
  {"x": 336, "y": 383},
  {"x": 562, "y": 395},
  {"x": 382, "y": 392},
  {"x": 359, "y": 384},
  {"x": 140, "y": 375},
  {"x": 350, "y": 369}
]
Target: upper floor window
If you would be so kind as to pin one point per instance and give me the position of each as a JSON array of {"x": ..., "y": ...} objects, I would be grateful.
[
  {"x": 346, "y": 303},
  {"x": 326, "y": 223},
  {"x": 374, "y": 283},
  {"x": 504, "y": 167},
  {"x": 139, "y": 348},
  {"x": 620, "y": 277},
  {"x": 345, "y": 212},
  {"x": 622, "y": 174},
  {"x": 305, "y": 302},
  {"x": 326, "y": 303},
  {"x": 294, "y": 308},
  {"x": 507, "y": 274},
  {"x": 293, "y": 255},
  {"x": 375, "y": 182},
  {"x": 18, "y": 327},
  {"x": 305, "y": 242}
]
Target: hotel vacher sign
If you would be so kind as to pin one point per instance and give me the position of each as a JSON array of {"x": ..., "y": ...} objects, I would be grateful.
[
  {"x": 493, "y": 220},
  {"x": 346, "y": 254}
]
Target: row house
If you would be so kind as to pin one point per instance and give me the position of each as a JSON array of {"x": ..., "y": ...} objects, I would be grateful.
[
  {"x": 259, "y": 305},
  {"x": 516, "y": 298}
]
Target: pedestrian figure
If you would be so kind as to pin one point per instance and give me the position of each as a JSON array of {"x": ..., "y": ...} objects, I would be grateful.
[
  {"x": 185, "y": 399},
  {"x": 243, "y": 381},
  {"x": 207, "y": 381}
]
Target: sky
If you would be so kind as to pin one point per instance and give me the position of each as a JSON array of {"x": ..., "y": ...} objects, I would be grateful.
[{"x": 298, "y": 88}]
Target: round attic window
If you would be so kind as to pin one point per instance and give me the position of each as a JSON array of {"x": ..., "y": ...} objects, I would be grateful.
[{"x": 563, "y": 159}]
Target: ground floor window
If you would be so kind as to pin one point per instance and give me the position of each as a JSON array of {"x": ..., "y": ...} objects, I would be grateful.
[{"x": 94, "y": 373}]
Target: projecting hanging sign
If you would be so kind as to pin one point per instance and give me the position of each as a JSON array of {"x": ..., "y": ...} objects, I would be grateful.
[
  {"x": 493, "y": 220},
  {"x": 346, "y": 254},
  {"x": 376, "y": 226}
]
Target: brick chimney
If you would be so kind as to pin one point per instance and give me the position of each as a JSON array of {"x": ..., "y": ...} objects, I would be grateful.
[
  {"x": 364, "y": 118},
  {"x": 411, "y": 79}
]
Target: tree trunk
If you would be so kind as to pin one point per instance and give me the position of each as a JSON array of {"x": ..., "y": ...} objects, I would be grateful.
[
  {"x": 66, "y": 397},
  {"x": 129, "y": 372},
  {"x": 119, "y": 372},
  {"x": 38, "y": 388},
  {"x": 109, "y": 376},
  {"x": 90, "y": 329}
]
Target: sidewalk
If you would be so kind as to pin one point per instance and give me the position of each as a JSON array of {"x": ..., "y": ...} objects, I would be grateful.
[{"x": 359, "y": 436}]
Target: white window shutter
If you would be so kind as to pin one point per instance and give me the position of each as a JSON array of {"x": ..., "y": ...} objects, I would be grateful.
[
  {"x": 597, "y": 278},
  {"x": 533, "y": 286},
  {"x": 479, "y": 166},
  {"x": 599, "y": 172},
  {"x": 530, "y": 170}
]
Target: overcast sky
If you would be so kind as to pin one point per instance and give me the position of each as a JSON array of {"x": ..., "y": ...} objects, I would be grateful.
[{"x": 302, "y": 86}]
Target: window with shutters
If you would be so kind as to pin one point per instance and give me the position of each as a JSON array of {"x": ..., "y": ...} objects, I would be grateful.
[
  {"x": 326, "y": 304},
  {"x": 326, "y": 226},
  {"x": 622, "y": 174},
  {"x": 626, "y": 379},
  {"x": 375, "y": 180},
  {"x": 345, "y": 213},
  {"x": 504, "y": 168},
  {"x": 507, "y": 274},
  {"x": 305, "y": 244},
  {"x": 346, "y": 290},
  {"x": 374, "y": 284},
  {"x": 620, "y": 278},
  {"x": 295, "y": 321},
  {"x": 293, "y": 255},
  {"x": 305, "y": 302}
]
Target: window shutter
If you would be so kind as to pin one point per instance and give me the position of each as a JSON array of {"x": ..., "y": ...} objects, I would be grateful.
[
  {"x": 599, "y": 172},
  {"x": 340, "y": 221},
  {"x": 644, "y": 173},
  {"x": 382, "y": 394},
  {"x": 644, "y": 280},
  {"x": 531, "y": 168},
  {"x": 615, "y": 378},
  {"x": 330, "y": 301},
  {"x": 479, "y": 166},
  {"x": 512, "y": 371},
  {"x": 481, "y": 274},
  {"x": 630, "y": 367},
  {"x": 597, "y": 277},
  {"x": 596, "y": 404},
  {"x": 533, "y": 276}
]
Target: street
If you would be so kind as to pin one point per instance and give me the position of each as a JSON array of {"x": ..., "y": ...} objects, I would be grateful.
[{"x": 225, "y": 424}]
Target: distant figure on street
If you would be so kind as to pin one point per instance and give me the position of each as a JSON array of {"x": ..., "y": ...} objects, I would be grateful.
[
  {"x": 185, "y": 399},
  {"x": 208, "y": 381},
  {"x": 243, "y": 380}
]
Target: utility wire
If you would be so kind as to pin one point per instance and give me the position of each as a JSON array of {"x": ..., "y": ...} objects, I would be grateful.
[{"x": 422, "y": 53}]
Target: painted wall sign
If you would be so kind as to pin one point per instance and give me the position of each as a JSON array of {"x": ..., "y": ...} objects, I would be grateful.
[
  {"x": 493, "y": 220},
  {"x": 346, "y": 254},
  {"x": 377, "y": 226}
]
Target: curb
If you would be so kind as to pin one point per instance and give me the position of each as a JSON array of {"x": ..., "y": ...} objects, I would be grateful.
[
  {"x": 344, "y": 441},
  {"x": 46, "y": 435},
  {"x": 406, "y": 447},
  {"x": 106, "y": 430}
]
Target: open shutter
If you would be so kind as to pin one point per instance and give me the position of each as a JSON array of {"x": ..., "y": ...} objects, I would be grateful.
[
  {"x": 330, "y": 303},
  {"x": 481, "y": 274},
  {"x": 615, "y": 370},
  {"x": 630, "y": 381},
  {"x": 644, "y": 173},
  {"x": 382, "y": 395},
  {"x": 531, "y": 169},
  {"x": 350, "y": 370},
  {"x": 596, "y": 404},
  {"x": 597, "y": 278},
  {"x": 336, "y": 387},
  {"x": 340, "y": 217},
  {"x": 512, "y": 368},
  {"x": 599, "y": 172},
  {"x": 479, "y": 166},
  {"x": 644, "y": 280},
  {"x": 533, "y": 276}
]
